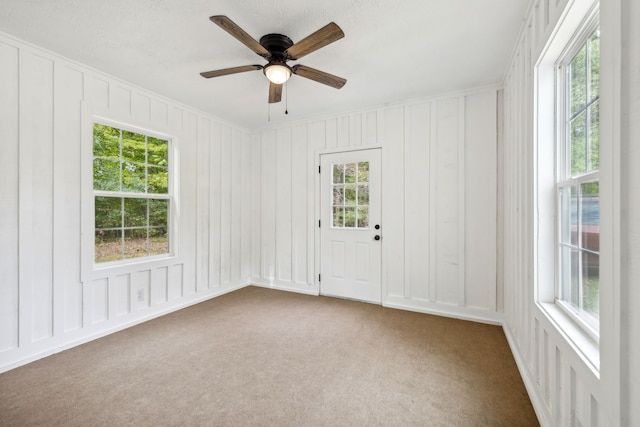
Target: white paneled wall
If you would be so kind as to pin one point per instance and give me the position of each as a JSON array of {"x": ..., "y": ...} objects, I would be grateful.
[
  {"x": 564, "y": 386},
  {"x": 44, "y": 305},
  {"x": 438, "y": 195}
]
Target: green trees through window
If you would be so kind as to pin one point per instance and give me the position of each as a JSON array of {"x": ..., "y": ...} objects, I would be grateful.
[
  {"x": 350, "y": 202},
  {"x": 131, "y": 194},
  {"x": 578, "y": 184}
]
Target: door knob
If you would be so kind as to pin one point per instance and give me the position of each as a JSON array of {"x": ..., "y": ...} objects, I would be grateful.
[{"x": 377, "y": 237}]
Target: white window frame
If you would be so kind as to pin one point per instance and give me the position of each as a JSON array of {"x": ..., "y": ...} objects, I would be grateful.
[
  {"x": 548, "y": 119},
  {"x": 91, "y": 270},
  {"x": 564, "y": 179}
]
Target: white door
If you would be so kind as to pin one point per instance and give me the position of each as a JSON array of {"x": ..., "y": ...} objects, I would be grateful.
[{"x": 350, "y": 228}]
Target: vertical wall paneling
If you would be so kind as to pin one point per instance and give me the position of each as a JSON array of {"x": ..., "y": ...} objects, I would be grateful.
[
  {"x": 370, "y": 133},
  {"x": 417, "y": 208},
  {"x": 122, "y": 289},
  {"x": 9, "y": 196},
  {"x": 462, "y": 190},
  {"x": 393, "y": 178},
  {"x": 236, "y": 205},
  {"x": 480, "y": 208},
  {"x": 140, "y": 107},
  {"x": 158, "y": 286},
  {"x": 332, "y": 133},
  {"x": 432, "y": 196},
  {"x": 630, "y": 290},
  {"x": 447, "y": 241},
  {"x": 566, "y": 387},
  {"x": 49, "y": 299},
  {"x": 159, "y": 112},
  {"x": 66, "y": 198},
  {"x": 215, "y": 205},
  {"x": 36, "y": 194},
  {"x": 428, "y": 215},
  {"x": 256, "y": 207},
  {"x": 175, "y": 281},
  {"x": 120, "y": 99},
  {"x": 245, "y": 183},
  {"x": 97, "y": 91},
  {"x": 140, "y": 283},
  {"x": 500, "y": 195},
  {"x": 226, "y": 196},
  {"x": 316, "y": 142},
  {"x": 344, "y": 131},
  {"x": 188, "y": 201},
  {"x": 270, "y": 165},
  {"x": 299, "y": 203},
  {"x": 202, "y": 203},
  {"x": 99, "y": 303},
  {"x": 283, "y": 205},
  {"x": 355, "y": 130}
]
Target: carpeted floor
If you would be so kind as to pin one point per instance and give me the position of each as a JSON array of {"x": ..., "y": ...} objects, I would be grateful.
[{"x": 270, "y": 358}]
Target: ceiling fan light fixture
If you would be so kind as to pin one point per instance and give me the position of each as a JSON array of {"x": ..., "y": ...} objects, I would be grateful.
[{"x": 277, "y": 73}]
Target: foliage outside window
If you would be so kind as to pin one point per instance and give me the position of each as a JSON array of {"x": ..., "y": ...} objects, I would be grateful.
[
  {"x": 350, "y": 204},
  {"x": 131, "y": 194},
  {"x": 578, "y": 184}
]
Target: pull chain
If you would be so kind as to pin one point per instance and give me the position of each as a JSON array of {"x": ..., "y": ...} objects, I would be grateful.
[{"x": 286, "y": 98}]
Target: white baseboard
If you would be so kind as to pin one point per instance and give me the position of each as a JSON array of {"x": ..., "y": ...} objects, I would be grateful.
[
  {"x": 535, "y": 394},
  {"x": 456, "y": 312},
  {"x": 301, "y": 288},
  {"x": 90, "y": 333}
]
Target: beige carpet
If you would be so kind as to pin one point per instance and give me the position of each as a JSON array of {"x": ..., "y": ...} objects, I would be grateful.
[{"x": 269, "y": 358}]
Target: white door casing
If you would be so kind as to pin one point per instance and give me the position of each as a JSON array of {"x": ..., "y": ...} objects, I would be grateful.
[{"x": 350, "y": 243}]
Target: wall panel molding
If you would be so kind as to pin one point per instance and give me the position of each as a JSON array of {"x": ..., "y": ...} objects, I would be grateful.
[{"x": 44, "y": 305}]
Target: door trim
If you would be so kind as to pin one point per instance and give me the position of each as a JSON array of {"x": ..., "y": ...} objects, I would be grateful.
[{"x": 318, "y": 208}]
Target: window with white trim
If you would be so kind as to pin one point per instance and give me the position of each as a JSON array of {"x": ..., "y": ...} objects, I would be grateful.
[
  {"x": 132, "y": 194},
  {"x": 577, "y": 178},
  {"x": 350, "y": 187}
]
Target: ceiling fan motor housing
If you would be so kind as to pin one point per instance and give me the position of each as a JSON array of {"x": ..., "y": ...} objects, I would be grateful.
[{"x": 277, "y": 44}]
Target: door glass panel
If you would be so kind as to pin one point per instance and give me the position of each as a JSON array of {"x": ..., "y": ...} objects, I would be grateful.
[
  {"x": 338, "y": 174},
  {"x": 363, "y": 217},
  {"x": 338, "y": 217},
  {"x": 349, "y": 217},
  {"x": 350, "y": 171},
  {"x": 350, "y": 190},
  {"x": 350, "y": 195},
  {"x": 338, "y": 195}
]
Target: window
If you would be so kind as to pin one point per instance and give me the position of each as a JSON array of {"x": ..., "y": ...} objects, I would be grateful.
[
  {"x": 350, "y": 205},
  {"x": 577, "y": 184},
  {"x": 132, "y": 196}
]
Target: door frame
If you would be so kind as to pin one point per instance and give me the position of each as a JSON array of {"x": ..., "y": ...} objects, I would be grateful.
[{"x": 318, "y": 209}]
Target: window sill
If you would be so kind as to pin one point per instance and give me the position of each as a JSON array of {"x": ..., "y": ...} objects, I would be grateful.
[
  {"x": 581, "y": 342},
  {"x": 101, "y": 271}
]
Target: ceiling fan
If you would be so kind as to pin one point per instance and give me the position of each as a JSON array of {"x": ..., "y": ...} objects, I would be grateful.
[{"x": 278, "y": 49}]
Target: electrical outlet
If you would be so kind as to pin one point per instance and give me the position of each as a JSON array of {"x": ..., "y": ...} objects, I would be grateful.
[{"x": 140, "y": 295}]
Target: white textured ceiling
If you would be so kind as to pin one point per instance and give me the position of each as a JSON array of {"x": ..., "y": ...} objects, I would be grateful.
[{"x": 393, "y": 50}]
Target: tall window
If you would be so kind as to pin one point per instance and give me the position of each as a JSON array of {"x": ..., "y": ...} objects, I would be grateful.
[
  {"x": 131, "y": 193},
  {"x": 577, "y": 185}
]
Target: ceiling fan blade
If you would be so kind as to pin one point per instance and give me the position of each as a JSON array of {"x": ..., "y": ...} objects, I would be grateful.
[
  {"x": 227, "y": 71},
  {"x": 319, "y": 76},
  {"x": 324, "y": 36},
  {"x": 232, "y": 28},
  {"x": 275, "y": 93}
]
